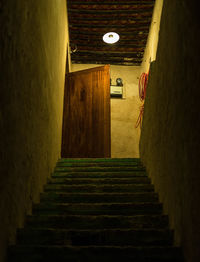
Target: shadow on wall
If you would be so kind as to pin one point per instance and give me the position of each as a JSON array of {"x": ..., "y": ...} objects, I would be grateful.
[
  {"x": 33, "y": 55},
  {"x": 170, "y": 139}
]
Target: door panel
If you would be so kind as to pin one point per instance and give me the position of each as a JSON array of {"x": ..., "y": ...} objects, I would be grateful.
[{"x": 86, "y": 114}]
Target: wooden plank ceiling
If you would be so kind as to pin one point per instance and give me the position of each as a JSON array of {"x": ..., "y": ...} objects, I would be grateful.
[{"x": 89, "y": 20}]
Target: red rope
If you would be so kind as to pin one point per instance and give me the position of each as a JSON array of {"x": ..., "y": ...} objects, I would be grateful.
[{"x": 142, "y": 94}]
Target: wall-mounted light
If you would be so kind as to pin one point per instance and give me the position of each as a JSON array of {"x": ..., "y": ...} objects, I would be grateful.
[
  {"x": 111, "y": 38},
  {"x": 119, "y": 82}
]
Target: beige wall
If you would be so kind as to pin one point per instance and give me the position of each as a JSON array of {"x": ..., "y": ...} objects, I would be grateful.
[
  {"x": 152, "y": 42},
  {"x": 33, "y": 55},
  {"x": 124, "y": 112},
  {"x": 170, "y": 136}
]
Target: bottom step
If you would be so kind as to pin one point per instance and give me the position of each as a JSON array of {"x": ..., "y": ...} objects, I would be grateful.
[{"x": 93, "y": 253}]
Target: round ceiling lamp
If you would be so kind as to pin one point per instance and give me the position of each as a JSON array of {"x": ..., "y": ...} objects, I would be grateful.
[{"x": 111, "y": 38}]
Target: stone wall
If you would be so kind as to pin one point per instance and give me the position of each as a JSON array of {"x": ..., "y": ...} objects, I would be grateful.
[
  {"x": 33, "y": 55},
  {"x": 124, "y": 112},
  {"x": 170, "y": 136}
]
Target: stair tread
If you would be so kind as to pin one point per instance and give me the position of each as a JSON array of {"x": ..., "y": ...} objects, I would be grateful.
[
  {"x": 99, "y": 160},
  {"x": 99, "y": 188},
  {"x": 98, "y": 222},
  {"x": 72, "y": 180},
  {"x": 147, "y": 230},
  {"x": 86, "y": 237},
  {"x": 102, "y": 216},
  {"x": 153, "y": 247},
  {"x": 128, "y": 204},
  {"x": 103, "y": 185},
  {"x": 98, "y": 168},
  {"x": 96, "y": 253},
  {"x": 101, "y": 194},
  {"x": 99, "y": 164},
  {"x": 95, "y": 197},
  {"x": 99, "y": 208},
  {"x": 95, "y": 174}
]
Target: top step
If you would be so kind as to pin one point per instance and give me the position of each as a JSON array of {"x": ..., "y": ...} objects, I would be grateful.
[
  {"x": 71, "y": 160},
  {"x": 100, "y": 162}
]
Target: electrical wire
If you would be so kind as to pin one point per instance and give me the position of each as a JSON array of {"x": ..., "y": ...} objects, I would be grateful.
[{"x": 142, "y": 94}]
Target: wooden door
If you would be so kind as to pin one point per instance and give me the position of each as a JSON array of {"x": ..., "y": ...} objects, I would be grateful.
[{"x": 86, "y": 114}]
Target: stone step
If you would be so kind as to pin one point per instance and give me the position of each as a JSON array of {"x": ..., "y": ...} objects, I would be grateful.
[
  {"x": 92, "y": 188},
  {"x": 98, "y": 197},
  {"x": 122, "y": 174},
  {"x": 99, "y": 160},
  {"x": 37, "y": 253},
  {"x": 99, "y": 169},
  {"x": 99, "y": 164},
  {"x": 98, "y": 208},
  {"x": 97, "y": 222},
  {"x": 97, "y": 181},
  {"x": 86, "y": 237}
]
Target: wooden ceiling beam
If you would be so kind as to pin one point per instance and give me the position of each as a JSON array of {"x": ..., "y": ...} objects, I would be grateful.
[
  {"x": 130, "y": 27},
  {"x": 117, "y": 59},
  {"x": 96, "y": 40},
  {"x": 115, "y": 7},
  {"x": 137, "y": 36},
  {"x": 113, "y": 23},
  {"x": 119, "y": 16},
  {"x": 101, "y": 57},
  {"x": 110, "y": 49},
  {"x": 108, "y": 53},
  {"x": 108, "y": 2},
  {"x": 105, "y": 29},
  {"x": 103, "y": 12},
  {"x": 100, "y": 43},
  {"x": 89, "y": 20},
  {"x": 111, "y": 62},
  {"x": 122, "y": 21}
]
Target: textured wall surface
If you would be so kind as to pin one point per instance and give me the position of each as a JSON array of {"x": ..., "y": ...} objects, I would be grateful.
[
  {"x": 124, "y": 112},
  {"x": 170, "y": 136},
  {"x": 152, "y": 41},
  {"x": 33, "y": 55}
]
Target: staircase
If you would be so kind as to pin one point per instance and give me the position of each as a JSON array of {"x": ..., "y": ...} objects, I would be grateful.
[{"x": 96, "y": 210}]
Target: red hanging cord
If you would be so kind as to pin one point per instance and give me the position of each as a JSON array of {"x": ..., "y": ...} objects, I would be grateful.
[{"x": 142, "y": 94}]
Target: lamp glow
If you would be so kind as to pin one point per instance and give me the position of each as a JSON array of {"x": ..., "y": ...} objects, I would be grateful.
[{"x": 111, "y": 38}]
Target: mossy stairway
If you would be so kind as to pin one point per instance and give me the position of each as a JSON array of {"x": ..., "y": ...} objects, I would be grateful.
[{"x": 96, "y": 210}]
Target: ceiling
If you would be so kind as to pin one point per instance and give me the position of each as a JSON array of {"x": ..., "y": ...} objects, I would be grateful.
[{"x": 89, "y": 20}]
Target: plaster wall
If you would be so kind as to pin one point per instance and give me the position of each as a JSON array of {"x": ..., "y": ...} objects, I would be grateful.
[
  {"x": 170, "y": 136},
  {"x": 124, "y": 112},
  {"x": 152, "y": 41},
  {"x": 33, "y": 55}
]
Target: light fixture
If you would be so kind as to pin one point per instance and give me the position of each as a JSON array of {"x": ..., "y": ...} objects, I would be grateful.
[
  {"x": 119, "y": 82},
  {"x": 111, "y": 38}
]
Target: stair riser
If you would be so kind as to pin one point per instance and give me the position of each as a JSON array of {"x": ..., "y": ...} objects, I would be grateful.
[
  {"x": 100, "y": 175},
  {"x": 99, "y": 164},
  {"x": 99, "y": 189},
  {"x": 97, "y": 222},
  {"x": 87, "y": 238},
  {"x": 98, "y": 198},
  {"x": 113, "y": 181},
  {"x": 91, "y": 254},
  {"x": 92, "y": 209}
]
